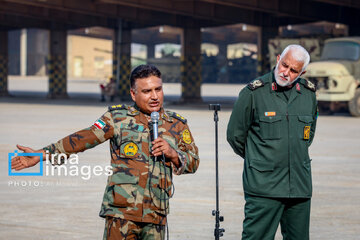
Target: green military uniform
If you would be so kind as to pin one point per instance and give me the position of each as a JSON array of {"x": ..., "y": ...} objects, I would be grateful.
[
  {"x": 139, "y": 189},
  {"x": 272, "y": 130}
]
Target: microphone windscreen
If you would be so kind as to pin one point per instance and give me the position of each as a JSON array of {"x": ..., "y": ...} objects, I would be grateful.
[{"x": 155, "y": 117}]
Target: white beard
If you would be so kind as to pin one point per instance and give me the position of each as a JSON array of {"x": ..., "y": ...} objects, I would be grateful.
[{"x": 279, "y": 80}]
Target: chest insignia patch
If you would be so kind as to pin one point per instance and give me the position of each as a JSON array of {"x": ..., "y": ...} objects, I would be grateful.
[
  {"x": 130, "y": 149},
  {"x": 270, "y": 114},
  {"x": 307, "y": 132},
  {"x": 186, "y": 136}
]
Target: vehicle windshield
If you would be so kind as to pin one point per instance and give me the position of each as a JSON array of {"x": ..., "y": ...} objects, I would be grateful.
[{"x": 341, "y": 51}]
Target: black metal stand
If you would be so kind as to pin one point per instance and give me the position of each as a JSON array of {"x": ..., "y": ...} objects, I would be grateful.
[{"x": 218, "y": 232}]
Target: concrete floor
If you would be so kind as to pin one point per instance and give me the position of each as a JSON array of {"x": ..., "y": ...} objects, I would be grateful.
[{"x": 64, "y": 207}]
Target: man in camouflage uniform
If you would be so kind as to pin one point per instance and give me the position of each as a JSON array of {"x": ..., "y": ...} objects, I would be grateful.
[{"x": 136, "y": 198}]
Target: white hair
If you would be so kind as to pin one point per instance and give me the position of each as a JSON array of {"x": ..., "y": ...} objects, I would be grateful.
[{"x": 299, "y": 53}]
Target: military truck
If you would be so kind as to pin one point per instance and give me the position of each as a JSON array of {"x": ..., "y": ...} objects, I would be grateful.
[{"x": 337, "y": 75}]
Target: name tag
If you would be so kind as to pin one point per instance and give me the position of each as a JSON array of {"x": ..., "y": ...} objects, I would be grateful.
[{"x": 270, "y": 114}]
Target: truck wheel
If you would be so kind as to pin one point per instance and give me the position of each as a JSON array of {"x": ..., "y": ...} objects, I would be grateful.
[{"x": 354, "y": 104}]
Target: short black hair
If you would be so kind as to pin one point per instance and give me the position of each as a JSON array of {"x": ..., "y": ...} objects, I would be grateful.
[{"x": 143, "y": 71}]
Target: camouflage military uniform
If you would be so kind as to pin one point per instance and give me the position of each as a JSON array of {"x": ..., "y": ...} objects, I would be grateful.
[
  {"x": 117, "y": 228},
  {"x": 140, "y": 187}
]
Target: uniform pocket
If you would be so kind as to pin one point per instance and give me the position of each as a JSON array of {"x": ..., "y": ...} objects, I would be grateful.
[
  {"x": 304, "y": 127},
  {"x": 131, "y": 143},
  {"x": 262, "y": 166},
  {"x": 270, "y": 127},
  {"x": 124, "y": 184}
]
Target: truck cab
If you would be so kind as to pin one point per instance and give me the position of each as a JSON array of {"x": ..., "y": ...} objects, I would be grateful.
[{"x": 337, "y": 75}]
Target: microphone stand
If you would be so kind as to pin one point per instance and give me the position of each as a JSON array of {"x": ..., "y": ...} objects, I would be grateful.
[{"x": 218, "y": 232}]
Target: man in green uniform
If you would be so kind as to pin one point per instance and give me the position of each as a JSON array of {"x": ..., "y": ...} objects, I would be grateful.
[
  {"x": 136, "y": 198},
  {"x": 272, "y": 126}
]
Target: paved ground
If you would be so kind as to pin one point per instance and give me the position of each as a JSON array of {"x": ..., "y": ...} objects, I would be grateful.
[{"x": 67, "y": 207}]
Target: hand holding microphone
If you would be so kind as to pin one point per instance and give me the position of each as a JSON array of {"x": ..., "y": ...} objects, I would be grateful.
[{"x": 160, "y": 146}]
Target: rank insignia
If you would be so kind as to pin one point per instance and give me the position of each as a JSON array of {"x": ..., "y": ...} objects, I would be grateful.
[
  {"x": 274, "y": 86},
  {"x": 298, "y": 87},
  {"x": 255, "y": 84},
  {"x": 270, "y": 114},
  {"x": 118, "y": 107},
  {"x": 310, "y": 85},
  {"x": 179, "y": 117},
  {"x": 130, "y": 149},
  {"x": 186, "y": 136},
  {"x": 307, "y": 132},
  {"x": 99, "y": 124}
]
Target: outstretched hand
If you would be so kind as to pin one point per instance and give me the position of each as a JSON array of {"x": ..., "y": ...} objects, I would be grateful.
[{"x": 21, "y": 162}]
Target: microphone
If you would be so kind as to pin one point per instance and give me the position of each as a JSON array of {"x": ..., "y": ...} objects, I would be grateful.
[{"x": 154, "y": 120}]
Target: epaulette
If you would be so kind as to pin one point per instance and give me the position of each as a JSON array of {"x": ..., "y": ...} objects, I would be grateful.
[
  {"x": 177, "y": 116},
  {"x": 308, "y": 84},
  {"x": 255, "y": 84},
  {"x": 118, "y": 107}
]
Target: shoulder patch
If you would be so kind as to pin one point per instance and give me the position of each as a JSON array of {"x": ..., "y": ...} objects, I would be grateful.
[
  {"x": 177, "y": 116},
  {"x": 308, "y": 84},
  {"x": 118, "y": 107},
  {"x": 255, "y": 84}
]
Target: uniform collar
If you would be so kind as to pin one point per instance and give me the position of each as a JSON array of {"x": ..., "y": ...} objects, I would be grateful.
[
  {"x": 133, "y": 111},
  {"x": 164, "y": 115},
  {"x": 274, "y": 87}
]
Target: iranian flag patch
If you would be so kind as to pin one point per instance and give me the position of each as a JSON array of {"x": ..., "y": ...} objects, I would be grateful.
[{"x": 99, "y": 124}]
